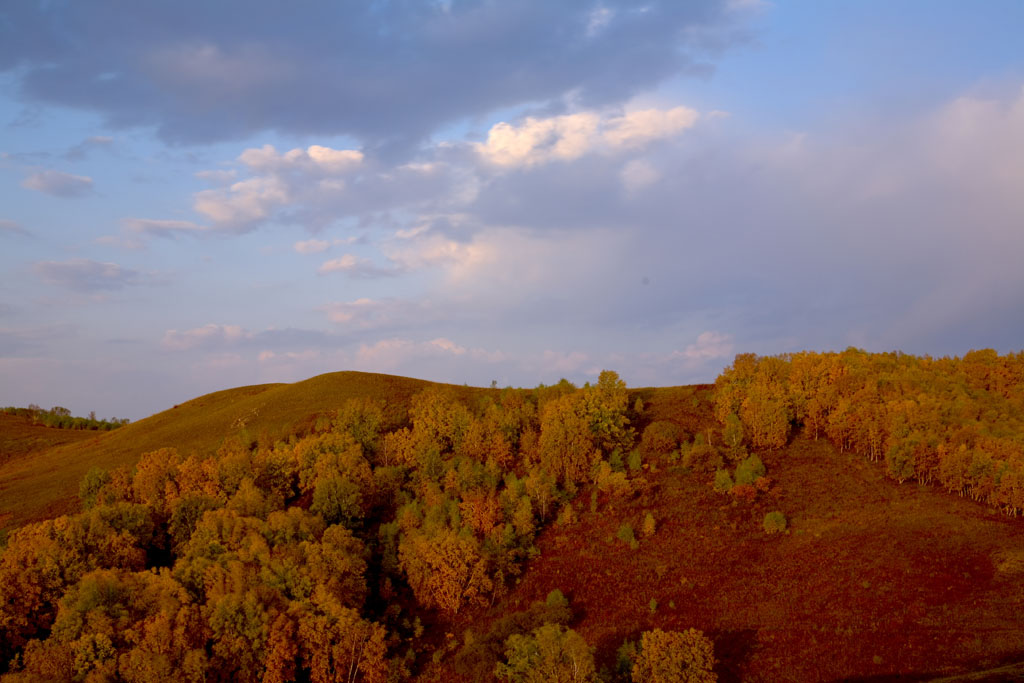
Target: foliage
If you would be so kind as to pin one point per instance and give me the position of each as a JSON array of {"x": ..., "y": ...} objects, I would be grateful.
[
  {"x": 774, "y": 522},
  {"x": 248, "y": 559},
  {"x": 549, "y": 654},
  {"x": 61, "y": 418},
  {"x": 649, "y": 525},
  {"x": 626, "y": 535},
  {"x": 723, "y": 481},
  {"x": 660, "y": 438},
  {"x": 749, "y": 470},
  {"x": 702, "y": 457},
  {"x": 674, "y": 657},
  {"x": 955, "y": 421}
]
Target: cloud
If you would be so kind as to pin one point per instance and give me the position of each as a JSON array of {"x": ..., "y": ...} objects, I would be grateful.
[
  {"x": 207, "y": 336},
  {"x": 86, "y": 275},
  {"x": 316, "y": 158},
  {"x": 218, "y": 176},
  {"x": 709, "y": 346},
  {"x": 570, "y": 136},
  {"x": 83, "y": 149},
  {"x": 58, "y": 183},
  {"x": 8, "y": 227},
  {"x": 313, "y": 246},
  {"x": 241, "y": 68},
  {"x": 162, "y": 228},
  {"x": 357, "y": 267}
]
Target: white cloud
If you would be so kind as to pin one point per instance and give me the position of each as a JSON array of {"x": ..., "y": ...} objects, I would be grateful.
[
  {"x": 710, "y": 345},
  {"x": 314, "y": 158},
  {"x": 243, "y": 203},
  {"x": 311, "y": 246},
  {"x": 58, "y": 183},
  {"x": 637, "y": 128},
  {"x": 570, "y": 136},
  {"x": 209, "y": 335},
  {"x": 357, "y": 267},
  {"x": 218, "y": 176}
]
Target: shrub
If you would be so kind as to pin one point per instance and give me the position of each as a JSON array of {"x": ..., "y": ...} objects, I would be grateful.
[
  {"x": 744, "y": 492},
  {"x": 88, "y": 489},
  {"x": 749, "y": 470},
  {"x": 634, "y": 461},
  {"x": 625, "y": 534},
  {"x": 660, "y": 438},
  {"x": 649, "y": 526},
  {"x": 674, "y": 657},
  {"x": 774, "y": 522},
  {"x": 723, "y": 481},
  {"x": 703, "y": 458},
  {"x": 566, "y": 515}
]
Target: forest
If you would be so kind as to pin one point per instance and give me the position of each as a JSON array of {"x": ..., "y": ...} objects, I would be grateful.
[{"x": 329, "y": 554}]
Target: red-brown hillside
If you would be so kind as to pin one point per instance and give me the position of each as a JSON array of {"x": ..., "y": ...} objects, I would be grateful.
[{"x": 874, "y": 580}]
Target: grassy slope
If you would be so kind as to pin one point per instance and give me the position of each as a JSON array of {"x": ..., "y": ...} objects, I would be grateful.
[
  {"x": 19, "y": 437},
  {"x": 874, "y": 581},
  {"x": 46, "y": 484}
]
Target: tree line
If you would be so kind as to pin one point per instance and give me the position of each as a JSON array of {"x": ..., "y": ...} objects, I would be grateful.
[
  {"x": 61, "y": 418},
  {"x": 956, "y": 422}
]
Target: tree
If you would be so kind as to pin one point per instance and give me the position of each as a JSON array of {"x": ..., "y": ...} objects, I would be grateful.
[
  {"x": 549, "y": 654},
  {"x": 674, "y": 657}
]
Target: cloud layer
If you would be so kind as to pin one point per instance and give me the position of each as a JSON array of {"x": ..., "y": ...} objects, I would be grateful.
[{"x": 200, "y": 72}]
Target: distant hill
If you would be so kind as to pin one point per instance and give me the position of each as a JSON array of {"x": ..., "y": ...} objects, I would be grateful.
[
  {"x": 21, "y": 436},
  {"x": 46, "y": 483}
]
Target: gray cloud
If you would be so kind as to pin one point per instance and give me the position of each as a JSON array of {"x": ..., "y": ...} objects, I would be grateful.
[
  {"x": 58, "y": 183},
  {"x": 86, "y": 147},
  {"x": 85, "y": 275},
  {"x": 8, "y": 227},
  {"x": 203, "y": 71}
]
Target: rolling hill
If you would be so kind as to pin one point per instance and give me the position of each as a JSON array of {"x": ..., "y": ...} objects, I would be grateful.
[{"x": 42, "y": 481}]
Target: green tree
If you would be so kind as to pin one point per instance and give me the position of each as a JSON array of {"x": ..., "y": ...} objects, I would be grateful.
[{"x": 549, "y": 654}]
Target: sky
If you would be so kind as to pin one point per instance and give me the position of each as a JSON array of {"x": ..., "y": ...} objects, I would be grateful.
[{"x": 197, "y": 195}]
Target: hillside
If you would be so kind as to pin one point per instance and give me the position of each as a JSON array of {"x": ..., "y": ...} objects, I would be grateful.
[
  {"x": 20, "y": 436},
  {"x": 874, "y": 580},
  {"x": 414, "y": 533},
  {"x": 46, "y": 484}
]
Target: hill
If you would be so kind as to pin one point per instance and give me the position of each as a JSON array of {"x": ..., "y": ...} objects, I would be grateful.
[
  {"x": 21, "y": 436},
  {"x": 442, "y": 522},
  {"x": 873, "y": 581},
  {"x": 46, "y": 484}
]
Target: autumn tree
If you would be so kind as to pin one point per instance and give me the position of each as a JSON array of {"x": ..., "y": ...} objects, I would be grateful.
[{"x": 674, "y": 657}]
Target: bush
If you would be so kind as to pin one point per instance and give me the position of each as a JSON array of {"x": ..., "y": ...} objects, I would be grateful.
[
  {"x": 626, "y": 535},
  {"x": 88, "y": 489},
  {"x": 774, "y": 522},
  {"x": 749, "y": 470},
  {"x": 660, "y": 438},
  {"x": 703, "y": 458},
  {"x": 744, "y": 492},
  {"x": 634, "y": 461},
  {"x": 723, "y": 481},
  {"x": 649, "y": 526},
  {"x": 674, "y": 657}
]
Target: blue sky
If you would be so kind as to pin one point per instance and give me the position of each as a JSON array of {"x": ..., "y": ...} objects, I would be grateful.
[{"x": 201, "y": 195}]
